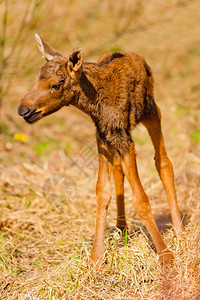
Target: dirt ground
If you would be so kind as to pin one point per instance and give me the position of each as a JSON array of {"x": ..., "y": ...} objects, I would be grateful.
[{"x": 48, "y": 170}]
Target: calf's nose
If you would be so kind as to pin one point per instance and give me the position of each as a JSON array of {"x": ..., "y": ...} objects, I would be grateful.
[{"x": 25, "y": 112}]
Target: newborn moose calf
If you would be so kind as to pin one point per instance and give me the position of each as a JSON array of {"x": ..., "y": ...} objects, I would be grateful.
[{"x": 117, "y": 92}]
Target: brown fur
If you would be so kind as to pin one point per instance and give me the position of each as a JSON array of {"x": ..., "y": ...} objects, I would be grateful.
[{"x": 117, "y": 92}]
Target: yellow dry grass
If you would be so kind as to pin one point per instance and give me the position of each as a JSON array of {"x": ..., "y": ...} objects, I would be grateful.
[{"x": 46, "y": 236}]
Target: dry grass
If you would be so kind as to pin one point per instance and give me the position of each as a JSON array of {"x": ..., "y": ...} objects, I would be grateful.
[{"x": 46, "y": 238}]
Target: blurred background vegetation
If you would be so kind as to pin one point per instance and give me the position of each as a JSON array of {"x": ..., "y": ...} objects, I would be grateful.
[{"x": 166, "y": 33}]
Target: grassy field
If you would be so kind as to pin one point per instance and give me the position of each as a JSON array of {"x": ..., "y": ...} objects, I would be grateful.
[{"x": 48, "y": 170}]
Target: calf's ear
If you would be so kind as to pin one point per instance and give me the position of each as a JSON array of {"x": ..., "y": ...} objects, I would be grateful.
[
  {"x": 75, "y": 61},
  {"x": 46, "y": 50}
]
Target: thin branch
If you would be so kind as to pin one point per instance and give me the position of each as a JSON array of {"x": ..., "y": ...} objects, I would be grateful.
[
  {"x": 138, "y": 28},
  {"x": 20, "y": 31},
  {"x": 3, "y": 38}
]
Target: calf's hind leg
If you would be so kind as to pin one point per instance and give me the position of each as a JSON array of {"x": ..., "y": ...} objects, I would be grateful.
[
  {"x": 141, "y": 204},
  {"x": 164, "y": 167},
  {"x": 118, "y": 175}
]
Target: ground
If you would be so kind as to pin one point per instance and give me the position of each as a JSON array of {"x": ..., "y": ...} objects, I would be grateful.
[{"x": 48, "y": 170}]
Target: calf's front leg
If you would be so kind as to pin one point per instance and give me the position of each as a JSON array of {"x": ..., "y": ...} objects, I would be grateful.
[{"x": 103, "y": 193}]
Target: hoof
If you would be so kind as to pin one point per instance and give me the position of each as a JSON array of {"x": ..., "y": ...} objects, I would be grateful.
[
  {"x": 166, "y": 257},
  {"x": 180, "y": 233},
  {"x": 122, "y": 227},
  {"x": 96, "y": 261}
]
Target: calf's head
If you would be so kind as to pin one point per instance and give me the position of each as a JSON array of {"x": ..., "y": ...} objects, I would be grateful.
[{"x": 55, "y": 85}]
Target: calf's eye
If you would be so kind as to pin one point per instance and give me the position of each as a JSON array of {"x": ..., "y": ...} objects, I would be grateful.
[{"x": 55, "y": 86}]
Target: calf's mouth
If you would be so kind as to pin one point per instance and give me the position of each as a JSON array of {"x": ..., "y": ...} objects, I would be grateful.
[{"x": 33, "y": 117}]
